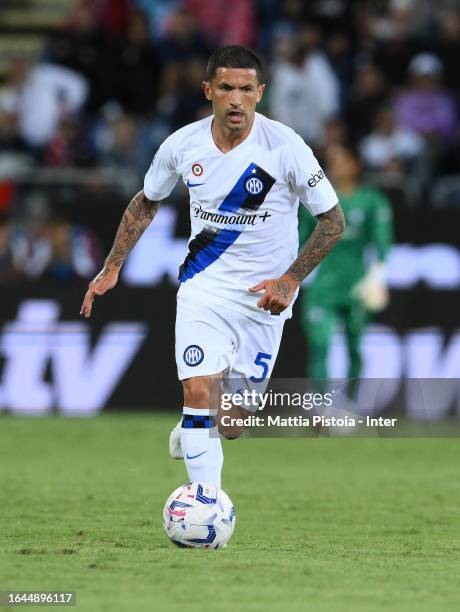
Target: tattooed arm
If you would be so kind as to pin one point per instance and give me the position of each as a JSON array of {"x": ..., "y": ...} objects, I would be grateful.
[
  {"x": 136, "y": 219},
  {"x": 280, "y": 291},
  {"x": 326, "y": 233}
]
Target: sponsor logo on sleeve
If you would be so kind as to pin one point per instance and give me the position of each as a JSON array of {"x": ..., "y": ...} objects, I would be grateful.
[{"x": 315, "y": 178}]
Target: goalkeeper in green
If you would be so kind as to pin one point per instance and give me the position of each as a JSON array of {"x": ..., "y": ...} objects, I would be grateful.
[{"x": 346, "y": 287}]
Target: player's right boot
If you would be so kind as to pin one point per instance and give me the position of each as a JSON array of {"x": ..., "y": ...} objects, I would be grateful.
[{"x": 175, "y": 447}]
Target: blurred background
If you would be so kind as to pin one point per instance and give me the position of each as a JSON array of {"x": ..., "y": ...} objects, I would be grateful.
[{"x": 88, "y": 91}]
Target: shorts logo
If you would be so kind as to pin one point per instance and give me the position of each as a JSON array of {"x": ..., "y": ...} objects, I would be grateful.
[
  {"x": 253, "y": 185},
  {"x": 193, "y": 355},
  {"x": 197, "y": 169}
]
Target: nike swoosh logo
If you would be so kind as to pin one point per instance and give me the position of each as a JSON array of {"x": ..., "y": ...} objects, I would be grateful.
[
  {"x": 189, "y": 184},
  {"x": 195, "y": 456}
]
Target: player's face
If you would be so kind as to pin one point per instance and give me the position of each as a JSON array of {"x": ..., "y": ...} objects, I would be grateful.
[{"x": 234, "y": 93}]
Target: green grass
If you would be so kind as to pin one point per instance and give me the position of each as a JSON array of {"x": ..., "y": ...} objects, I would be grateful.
[{"x": 323, "y": 524}]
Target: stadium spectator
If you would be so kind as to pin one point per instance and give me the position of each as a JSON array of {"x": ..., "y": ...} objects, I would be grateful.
[
  {"x": 53, "y": 249},
  {"x": 40, "y": 96},
  {"x": 338, "y": 48},
  {"x": 138, "y": 67},
  {"x": 304, "y": 92},
  {"x": 110, "y": 16},
  {"x": 126, "y": 151},
  {"x": 425, "y": 106},
  {"x": 281, "y": 22},
  {"x": 368, "y": 93},
  {"x": 389, "y": 142},
  {"x": 166, "y": 105},
  {"x": 82, "y": 47},
  {"x": 70, "y": 146},
  {"x": 8, "y": 271},
  {"x": 449, "y": 45},
  {"x": 183, "y": 39},
  {"x": 159, "y": 14},
  {"x": 222, "y": 26},
  {"x": 397, "y": 33},
  {"x": 190, "y": 101},
  {"x": 10, "y": 138},
  {"x": 335, "y": 134},
  {"x": 73, "y": 251}
]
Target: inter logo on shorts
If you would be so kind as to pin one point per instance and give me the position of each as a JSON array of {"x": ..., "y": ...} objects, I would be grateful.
[
  {"x": 253, "y": 185},
  {"x": 193, "y": 355},
  {"x": 197, "y": 169}
]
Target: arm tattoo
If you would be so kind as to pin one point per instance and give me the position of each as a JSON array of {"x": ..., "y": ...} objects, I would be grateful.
[
  {"x": 136, "y": 219},
  {"x": 327, "y": 232}
]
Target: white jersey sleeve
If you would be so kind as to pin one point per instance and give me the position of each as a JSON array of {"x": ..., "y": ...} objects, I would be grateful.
[
  {"x": 162, "y": 174},
  {"x": 307, "y": 178}
]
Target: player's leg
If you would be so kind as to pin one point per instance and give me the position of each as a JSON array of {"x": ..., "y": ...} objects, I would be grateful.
[
  {"x": 200, "y": 438},
  {"x": 257, "y": 350},
  {"x": 356, "y": 317},
  {"x": 318, "y": 322},
  {"x": 204, "y": 348}
]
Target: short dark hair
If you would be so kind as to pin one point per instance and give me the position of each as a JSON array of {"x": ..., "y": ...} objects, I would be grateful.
[{"x": 234, "y": 56}]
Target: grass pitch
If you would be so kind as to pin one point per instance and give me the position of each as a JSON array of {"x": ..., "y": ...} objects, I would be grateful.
[{"x": 322, "y": 524}]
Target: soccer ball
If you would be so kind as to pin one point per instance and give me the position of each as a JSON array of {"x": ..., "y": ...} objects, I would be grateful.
[{"x": 198, "y": 515}]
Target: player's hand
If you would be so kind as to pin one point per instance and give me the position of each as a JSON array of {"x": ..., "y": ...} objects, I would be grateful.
[
  {"x": 103, "y": 282},
  {"x": 278, "y": 293}
]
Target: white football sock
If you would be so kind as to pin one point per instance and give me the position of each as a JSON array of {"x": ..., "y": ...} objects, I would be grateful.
[{"x": 202, "y": 448}]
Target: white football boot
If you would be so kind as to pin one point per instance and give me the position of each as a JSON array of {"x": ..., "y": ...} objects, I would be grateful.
[{"x": 175, "y": 448}]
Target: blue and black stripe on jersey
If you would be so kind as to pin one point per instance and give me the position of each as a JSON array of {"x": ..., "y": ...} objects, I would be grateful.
[
  {"x": 208, "y": 245},
  {"x": 204, "y": 249},
  {"x": 252, "y": 201},
  {"x": 239, "y": 197}
]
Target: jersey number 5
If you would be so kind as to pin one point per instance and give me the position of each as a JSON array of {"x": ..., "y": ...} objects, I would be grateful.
[{"x": 259, "y": 361}]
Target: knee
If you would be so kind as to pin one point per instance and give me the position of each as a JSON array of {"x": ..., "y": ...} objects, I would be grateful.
[
  {"x": 196, "y": 393},
  {"x": 230, "y": 424},
  {"x": 230, "y": 432}
]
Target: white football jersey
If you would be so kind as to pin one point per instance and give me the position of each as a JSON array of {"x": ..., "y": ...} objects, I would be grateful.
[{"x": 243, "y": 208}]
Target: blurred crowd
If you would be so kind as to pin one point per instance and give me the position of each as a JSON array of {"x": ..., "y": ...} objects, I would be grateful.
[{"x": 118, "y": 76}]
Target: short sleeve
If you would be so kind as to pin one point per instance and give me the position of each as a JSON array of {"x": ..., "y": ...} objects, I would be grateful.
[
  {"x": 161, "y": 176},
  {"x": 307, "y": 178}
]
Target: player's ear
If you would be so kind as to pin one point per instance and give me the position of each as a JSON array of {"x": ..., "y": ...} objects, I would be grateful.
[
  {"x": 206, "y": 86},
  {"x": 260, "y": 91}
]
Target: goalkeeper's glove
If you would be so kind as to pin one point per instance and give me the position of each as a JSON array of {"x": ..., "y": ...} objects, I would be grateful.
[{"x": 372, "y": 290}]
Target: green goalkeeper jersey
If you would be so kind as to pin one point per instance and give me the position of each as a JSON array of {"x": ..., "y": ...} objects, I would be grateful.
[{"x": 369, "y": 226}]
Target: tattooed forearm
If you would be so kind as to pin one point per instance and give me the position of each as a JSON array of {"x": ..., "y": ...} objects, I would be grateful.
[
  {"x": 136, "y": 219},
  {"x": 327, "y": 232}
]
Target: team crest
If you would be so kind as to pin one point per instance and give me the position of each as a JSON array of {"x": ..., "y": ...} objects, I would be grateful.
[
  {"x": 197, "y": 169},
  {"x": 253, "y": 185},
  {"x": 193, "y": 355}
]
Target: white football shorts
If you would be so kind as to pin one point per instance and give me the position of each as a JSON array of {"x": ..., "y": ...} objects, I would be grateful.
[{"x": 211, "y": 339}]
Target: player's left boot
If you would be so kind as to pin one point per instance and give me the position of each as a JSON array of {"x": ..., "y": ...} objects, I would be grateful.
[{"x": 175, "y": 447}]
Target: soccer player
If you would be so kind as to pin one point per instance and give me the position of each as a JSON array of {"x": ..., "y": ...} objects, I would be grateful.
[
  {"x": 238, "y": 282},
  {"x": 345, "y": 287}
]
